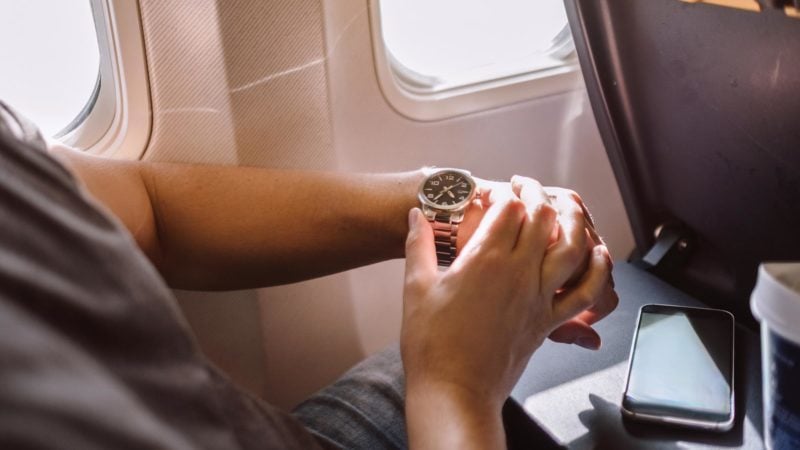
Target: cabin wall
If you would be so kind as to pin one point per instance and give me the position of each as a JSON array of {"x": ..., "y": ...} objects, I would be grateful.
[{"x": 292, "y": 84}]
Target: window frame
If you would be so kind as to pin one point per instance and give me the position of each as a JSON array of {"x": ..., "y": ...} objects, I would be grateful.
[
  {"x": 119, "y": 121},
  {"x": 420, "y": 104}
]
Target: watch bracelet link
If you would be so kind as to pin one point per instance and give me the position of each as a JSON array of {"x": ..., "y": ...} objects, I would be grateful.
[{"x": 445, "y": 233}]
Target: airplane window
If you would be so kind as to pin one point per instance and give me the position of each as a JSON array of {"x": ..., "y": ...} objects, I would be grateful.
[
  {"x": 434, "y": 46},
  {"x": 50, "y": 61}
]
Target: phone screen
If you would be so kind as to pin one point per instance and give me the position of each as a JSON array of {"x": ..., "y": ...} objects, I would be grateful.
[{"x": 681, "y": 364}]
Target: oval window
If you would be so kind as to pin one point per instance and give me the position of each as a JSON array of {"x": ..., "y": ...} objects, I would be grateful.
[{"x": 50, "y": 61}]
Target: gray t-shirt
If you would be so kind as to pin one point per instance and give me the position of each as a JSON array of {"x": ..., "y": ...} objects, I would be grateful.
[{"x": 94, "y": 352}]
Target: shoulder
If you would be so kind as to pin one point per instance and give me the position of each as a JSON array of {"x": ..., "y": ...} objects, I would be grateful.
[
  {"x": 14, "y": 126},
  {"x": 23, "y": 148}
]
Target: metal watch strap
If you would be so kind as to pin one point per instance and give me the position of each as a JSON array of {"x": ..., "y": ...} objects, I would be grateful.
[{"x": 445, "y": 232}]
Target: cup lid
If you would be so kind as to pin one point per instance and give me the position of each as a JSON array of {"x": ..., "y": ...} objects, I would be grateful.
[{"x": 775, "y": 300}]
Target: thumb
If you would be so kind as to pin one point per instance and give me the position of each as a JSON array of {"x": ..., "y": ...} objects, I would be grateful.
[
  {"x": 420, "y": 251},
  {"x": 576, "y": 331}
]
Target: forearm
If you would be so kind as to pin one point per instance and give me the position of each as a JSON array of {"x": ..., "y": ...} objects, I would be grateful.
[
  {"x": 218, "y": 227},
  {"x": 443, "y": 418},
  {"x": 234, "y": 227}
]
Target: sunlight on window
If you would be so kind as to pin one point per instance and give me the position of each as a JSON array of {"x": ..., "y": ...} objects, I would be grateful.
[
  {"x": 449, "y": 43},
  {"x": 50, "y": 60}
]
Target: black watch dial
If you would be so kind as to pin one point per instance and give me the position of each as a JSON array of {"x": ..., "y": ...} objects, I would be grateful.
[{"x": 447, "y": 188}]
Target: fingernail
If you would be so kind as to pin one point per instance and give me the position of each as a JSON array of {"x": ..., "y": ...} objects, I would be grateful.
[
  {"x": 588, "y": 342},
  {"x": 606, "y": 255}
]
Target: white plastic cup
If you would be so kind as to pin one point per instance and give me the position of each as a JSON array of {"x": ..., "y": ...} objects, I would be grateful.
[{"x": 775, "y": 302}]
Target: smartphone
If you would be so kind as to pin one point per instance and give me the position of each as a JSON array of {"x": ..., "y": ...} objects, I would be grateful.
[{"x": 680, "y": 369}]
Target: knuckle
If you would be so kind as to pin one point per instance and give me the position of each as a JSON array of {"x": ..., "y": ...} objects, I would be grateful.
[
  {"x": 522, "y": 179},
  {"x": 574, "y": 196},
  {"x": 608, "y": 300},
  {"x": 543, "y": 212},
  {"x": 532, "y": 182},
  {"x": 511, "y": 208},
  {"x": 413, "y": 283},
  {"x": 605, "y": 267},
  {"x": 614, "y": 301},
  {"x": 575, "y": 211},
  {"x": 584, "y": 298},
  {"x": 492, "y": 257},
  {"x": 515, "y": 206}
]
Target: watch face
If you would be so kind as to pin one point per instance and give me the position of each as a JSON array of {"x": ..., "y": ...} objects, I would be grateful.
[{"x": 448, "y": 189}]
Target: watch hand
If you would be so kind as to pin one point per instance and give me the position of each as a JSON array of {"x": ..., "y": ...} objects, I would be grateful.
[
  {"x": 448, "y": 188},
  {"x": 445, "y": 190},
  {"x": 451, "y": 194}
]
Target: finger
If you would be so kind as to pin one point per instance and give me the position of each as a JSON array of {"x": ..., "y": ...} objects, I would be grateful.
[
  {"x": 532, "y": 195},
  {"x": 568, "y": 258},
  {"x": 606, "y": 303},
  {"x": 420, "y": 252},
  {"x": 592, "y": 240},
  {"x": 587, "y": 292},
  {"x": 499, "y": 229},
  {"x": 473, "y": 216},
  {"x": 485, "y": 196},
  {"x": 493, "y": 192},
  {"x": 589, "y": 221},
  {"x": 534, "y": 238},
  {"x": 590, "y": 225},
  {"x": 497, "y": 195},
  {"x": 575, "y": 331},
  {"x": 529, "y": 191},
  {"x": 588, "y": 246}
]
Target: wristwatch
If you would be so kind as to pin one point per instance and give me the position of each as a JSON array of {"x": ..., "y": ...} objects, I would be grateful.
[{"x": 445, "y": 195}]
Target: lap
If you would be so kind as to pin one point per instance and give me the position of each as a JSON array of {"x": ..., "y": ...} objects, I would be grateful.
[{"x": 364, "y": 409}]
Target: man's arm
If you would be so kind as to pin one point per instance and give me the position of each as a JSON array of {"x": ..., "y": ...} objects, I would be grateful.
[
  {"x": 218, "y": 227},
  {"x": 215, "y": 227}
]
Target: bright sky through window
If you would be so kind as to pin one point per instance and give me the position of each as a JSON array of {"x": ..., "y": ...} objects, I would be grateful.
[
  {"x": 49, "y": 58},
  {"x": 462, "y": 41}
]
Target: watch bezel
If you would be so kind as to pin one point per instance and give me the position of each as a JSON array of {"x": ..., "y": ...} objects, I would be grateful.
[{"x": 447, "y": 208}]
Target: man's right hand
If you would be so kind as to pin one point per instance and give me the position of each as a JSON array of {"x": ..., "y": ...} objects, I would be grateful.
[
  {"x": 469, "y": 332},
  {"x": 573, "y": 239}
]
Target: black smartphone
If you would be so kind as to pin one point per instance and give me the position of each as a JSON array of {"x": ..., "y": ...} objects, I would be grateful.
[{"x": 680, "y": 369}]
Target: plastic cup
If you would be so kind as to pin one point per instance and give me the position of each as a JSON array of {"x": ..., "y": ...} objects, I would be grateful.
[{"x": 775, "y": 302}]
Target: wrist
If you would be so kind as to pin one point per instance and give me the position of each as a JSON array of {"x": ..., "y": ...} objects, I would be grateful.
[
  {"x": 407, "y": 185},
  {"x": 444, "y": 415},
  {"x": 481, "y": 401}
]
